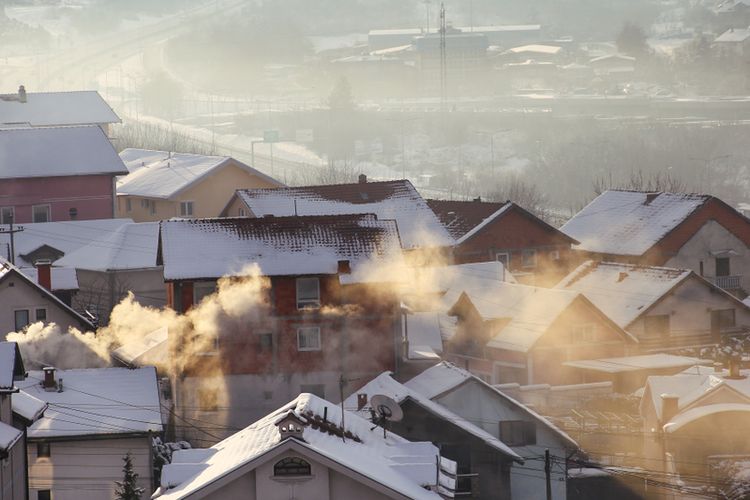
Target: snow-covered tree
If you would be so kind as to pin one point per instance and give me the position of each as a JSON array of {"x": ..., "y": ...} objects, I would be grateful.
[{"x": 128, "y": 488}]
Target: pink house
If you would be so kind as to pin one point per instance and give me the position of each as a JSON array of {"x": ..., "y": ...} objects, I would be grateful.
[{"x": 57, "y": 173}]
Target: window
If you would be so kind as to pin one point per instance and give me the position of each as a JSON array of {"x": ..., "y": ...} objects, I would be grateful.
[
  {"x": 43, "y": 449},
  {"x": 722, "y": 319},
  {"x": 186, "y": 208},
  {"x": 128, "y": 205},
  {"x": 657, "y": 326},
  {"x": 22, "y": 319},
  {"x": 308, "y": 293},
  {"x": 582, "y": 333},
  {"x": 202, "y": 289},
  {"x": 44, "y": 495},
  {"x": 700, "y": 265},
  {"x": 308, "y": 338},
  {"x": 554, "y": 255},
  {"x": 241, "y": 212},
  {"x": 317, "y": 389},
  {"x": 7, "y": 214},
  {"x": 145, "y": 203},
  {"x": 266, "y": 342},
  {"x": 291, "y": 467},
  {"x": 529, "y": 258},
  {"x": 153, "y": 207},
  {"x": 517, "y": 432},
  {"x": 722, "y": 266},
  {"x": 40, "y": 213},
  {"x": 40, "y": 315},
  {"x": 503, "y": 257},
  {"x": 149, "y": 205}
]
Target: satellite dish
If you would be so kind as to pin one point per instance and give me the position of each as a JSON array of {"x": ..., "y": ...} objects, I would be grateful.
[{"x": 386, "y": 409}]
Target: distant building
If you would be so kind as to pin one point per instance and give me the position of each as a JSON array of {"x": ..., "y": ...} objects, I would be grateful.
[
  {"x": 93, "y": 419},
  {"x": 309, "y": 448},
  {"x": 13, "y": 471},
  {"x": 162, "y": 185},
  {"x": 734, "y": 41},
  {"x": 465, "y": 53},
  {"x": 502, "y": 35},
  {"x": 57, "y": 174},
  {"x": 682, "y": 231}
]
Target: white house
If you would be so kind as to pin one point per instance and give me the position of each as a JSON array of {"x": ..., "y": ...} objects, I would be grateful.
[
  {"x": 310, "y": 449},
  {"x": 93, "y": 419},
  {"x": 13, "y": 474}
]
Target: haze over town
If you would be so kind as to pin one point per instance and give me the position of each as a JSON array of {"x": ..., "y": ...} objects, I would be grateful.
[{"x": 384, "y": 249}]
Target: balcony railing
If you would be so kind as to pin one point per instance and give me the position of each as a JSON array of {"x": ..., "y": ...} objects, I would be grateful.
[{"x": 727, "y": 282}]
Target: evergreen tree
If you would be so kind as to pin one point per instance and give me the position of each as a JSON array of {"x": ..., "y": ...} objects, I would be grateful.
[{"x": 128, "y": 488}]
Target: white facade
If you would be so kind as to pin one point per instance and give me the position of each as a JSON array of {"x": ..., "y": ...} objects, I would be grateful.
[{"x": 86, "y": 469}]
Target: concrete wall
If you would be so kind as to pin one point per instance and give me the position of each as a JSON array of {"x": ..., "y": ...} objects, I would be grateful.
[
  {"x": 209, "y": 196},
  {"x": 88, "y": 469},
  {"x": 22, "y": 295},
  {"x": 485, "y": 408}
]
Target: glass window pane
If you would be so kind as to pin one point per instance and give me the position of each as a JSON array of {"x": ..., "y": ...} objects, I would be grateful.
[{"x": 22, "y": 319}]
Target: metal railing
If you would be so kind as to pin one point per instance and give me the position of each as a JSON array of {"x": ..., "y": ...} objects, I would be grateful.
[{"x": 727, "y": 282}]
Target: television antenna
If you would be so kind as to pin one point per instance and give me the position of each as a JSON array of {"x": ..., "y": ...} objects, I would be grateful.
[{"x": 384, "y": 410}]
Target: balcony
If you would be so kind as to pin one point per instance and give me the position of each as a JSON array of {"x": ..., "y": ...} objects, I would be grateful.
[{"x": 727, "y": 282}]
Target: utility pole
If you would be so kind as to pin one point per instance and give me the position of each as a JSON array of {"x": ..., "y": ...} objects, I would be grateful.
[
  {"x": 12, "y": 233},
  {"x": 443, "y": 60},
  {"x": 548, "y": 473}
]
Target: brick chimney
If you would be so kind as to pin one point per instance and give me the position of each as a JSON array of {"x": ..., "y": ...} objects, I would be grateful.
[
  {"x": 49, "y": 383},
  {"x": 344, "y": 267},
  {"x": 22, "y": 93},
  {"x": 362, "y": 179},
  {"x": 669, "y": 407},
  {"x": 361, "y": 400},
  {"x": 44, "y": 273}
]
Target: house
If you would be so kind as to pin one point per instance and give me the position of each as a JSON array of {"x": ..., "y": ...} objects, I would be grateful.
[
  {"x": 397, "y": 200},
  {"x": 661, "y": 306},
  {"x": 113, "y": 264},
  {"x": 515, "y": 424},
  {"x": 63, "y": 280},
  {"x": 113, "y": 411},
  {"x": 613, "y": 66},
  {"x": 55, "y": 109},
  {"x": 483, "y": 461},
  {"x": 509, "y": 332},
  {"x": 13, "y": 473},
  {"x": 734, "y": 42},
  {"x": 534, "y": 251},
  {"x": 732, "y": 14},
  {"x": 682, "y": 413},
  {"x": 57, "y": 173},
  {"x": 162, "y": 184},
  {"x": 682, "y": 231},
  {"x": 310, "y": 447},
  {"x": 327, "y": 309},
  {"x": 26, "y": 302}
]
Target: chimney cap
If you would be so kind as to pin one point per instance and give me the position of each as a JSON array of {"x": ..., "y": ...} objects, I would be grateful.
[
  {"x": 42, "y": 262},
  {"x": 362, "y": 179}
]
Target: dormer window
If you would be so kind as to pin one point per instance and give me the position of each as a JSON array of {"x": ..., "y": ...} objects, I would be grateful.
[{"x": 292, "y": 467}]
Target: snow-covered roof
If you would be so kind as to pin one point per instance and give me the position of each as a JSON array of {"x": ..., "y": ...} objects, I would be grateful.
[
  {"x": 151, "y": 349},
  {"x": 536, "y": 49},
  {"x": 733, "y": 35},
  {"x": 162, "y": 174},
  {"x": 623, "y": 291},
  {"x": 423, "y": 331},
  {"x": 48, "y": 109},
  {"x": 11, "y": 365},
  {"x": 445, "y": 376},
  {"x": 366, "y": 451},
  {"x": 613, "y": 57},
  {"x": 386, "y": 385},
  {"x": 8, "y": 436},
  {"x": 27, "y": 406},
  {"x": 636, "y": 363},
  {"x": 397, "y": 200},
  {"x": 693, "y": 414},
  {"x": 99, "y": 401},
  {"x": 630, "y": 222},
  {"x": 279, "y": 246},
  {"x": 63, "y": 278},
  {"x": 65, "y": 236},
  {"x": 692, "y": 385},
  {"x": 126, "y": 247},
  {"x": 531, "y": 311},
  {"x": 57, "y": 152}
]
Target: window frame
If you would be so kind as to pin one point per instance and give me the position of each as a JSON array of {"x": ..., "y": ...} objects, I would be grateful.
[
  {"x": 308, "y": 303},
  {"x": 128, "y": 204},
  {"x": 43, "y": 445},
  {"x": 505, "y": 262},
  {"x": 203, "y": 286},
  {"x": 525, "y": 254},
  {"x": 728, "y": 266},
  {"x": 284, "y": 469},
  {"x": 36, "y": 314},
  {"x": 12, "y": 214},
  {"x": 49, "y": 212},
  {"x": 299, "y": 337},
  {"x": 187, "y": 204},
  {"x": 15, "y": 319}
]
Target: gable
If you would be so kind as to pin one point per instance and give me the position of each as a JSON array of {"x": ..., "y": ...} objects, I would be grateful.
[
  {"x": 42, "y": 253},
  {"x": 720, "y": 395}
]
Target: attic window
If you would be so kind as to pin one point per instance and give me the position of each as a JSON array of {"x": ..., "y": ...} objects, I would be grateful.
[{"x": 292, "y": 467}]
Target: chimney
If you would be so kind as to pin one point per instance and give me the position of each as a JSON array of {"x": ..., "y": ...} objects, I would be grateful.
[
  {"x": 362, "y": 179},
  {"x": 650, "y": 197},
  {"x": 22, "y": 93},
  {"x": 734, "y": 369},
  {"x": 49, "y": 383},
  {"x": 344, "y": 267},
  {"x": 718, "y": 368},
  {"x": 44, "y": 273},
  {"x": 622, "y": 277},
  {"x": 291, "y": 425},
  {"x": 361, "y": 400},
  {"x": 73, "y": 213},
  {"x": 478, "y": 199},
  {"x": 669, "y": 407}
]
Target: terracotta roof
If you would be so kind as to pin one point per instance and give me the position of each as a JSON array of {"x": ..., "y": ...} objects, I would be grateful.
[
  {"x": 398, "y": 200},
  {"x": 460, "y": 217},
  {"x": 210, "y": 248}
]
